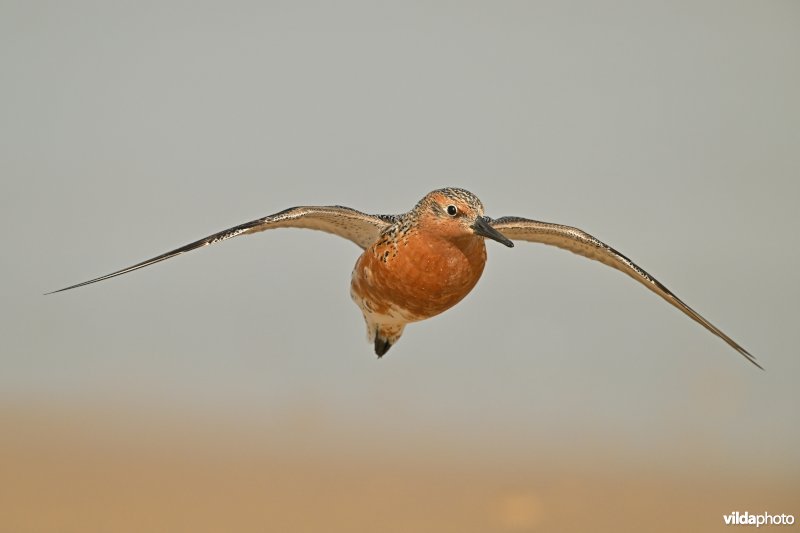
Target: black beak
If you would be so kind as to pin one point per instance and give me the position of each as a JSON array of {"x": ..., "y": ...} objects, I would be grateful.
[{"x": 481, "y": 227}]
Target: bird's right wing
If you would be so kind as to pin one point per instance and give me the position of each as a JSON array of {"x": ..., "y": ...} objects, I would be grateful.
[
  {"x": 361, "y": 228},
  {"x": 581, "y": 243}
]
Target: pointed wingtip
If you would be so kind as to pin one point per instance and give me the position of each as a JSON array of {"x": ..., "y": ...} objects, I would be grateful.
[
  {"x": 52, "y": 292},
  {"x": 753, "y": 360},
  {"x": 74, "y": 286},
  {"x": 62, "y": 290},
  {"x": 750, "y": 357}
]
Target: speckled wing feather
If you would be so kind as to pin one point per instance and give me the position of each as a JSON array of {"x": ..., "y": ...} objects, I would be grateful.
[
  {"x": 582, "y": 243},
  {"x": 361, "y": 228}
]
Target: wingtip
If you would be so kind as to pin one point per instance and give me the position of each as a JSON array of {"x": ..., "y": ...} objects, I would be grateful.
[
  {"x": 64, "y": 289},
  {"x": 750, "y": 357}
]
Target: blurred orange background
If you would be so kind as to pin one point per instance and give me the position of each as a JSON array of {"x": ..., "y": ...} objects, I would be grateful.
[{"x": 92, "y": 471}]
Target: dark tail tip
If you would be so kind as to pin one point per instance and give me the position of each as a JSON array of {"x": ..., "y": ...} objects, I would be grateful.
[{"x": 381, "y": 345}]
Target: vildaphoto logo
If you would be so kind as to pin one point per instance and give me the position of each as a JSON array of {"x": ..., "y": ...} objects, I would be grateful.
[{"x": 764, "y": 519}]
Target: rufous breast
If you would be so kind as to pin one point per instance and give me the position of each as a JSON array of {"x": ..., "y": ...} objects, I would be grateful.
[{"x": 419, "y": 272}]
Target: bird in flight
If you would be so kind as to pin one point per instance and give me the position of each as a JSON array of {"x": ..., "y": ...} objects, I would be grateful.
[{"x": 419, "y": 264}]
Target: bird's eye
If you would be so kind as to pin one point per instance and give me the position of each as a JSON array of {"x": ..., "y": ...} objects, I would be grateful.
[{"x": 452, "y": 210}]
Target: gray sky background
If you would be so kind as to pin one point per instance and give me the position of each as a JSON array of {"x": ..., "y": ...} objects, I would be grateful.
[{"x": 669, "y": 130}]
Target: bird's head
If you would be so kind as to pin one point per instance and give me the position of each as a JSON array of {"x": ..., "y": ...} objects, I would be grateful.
[{"x": 456, "y": 213}]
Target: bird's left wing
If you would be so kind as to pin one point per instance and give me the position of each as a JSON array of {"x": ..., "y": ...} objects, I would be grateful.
[
  {"x": 361, "y": 228},
  {"x": 582, "y": 243}
]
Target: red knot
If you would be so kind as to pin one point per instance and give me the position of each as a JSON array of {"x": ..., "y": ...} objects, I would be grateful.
[{"x": 419, "y": 264}]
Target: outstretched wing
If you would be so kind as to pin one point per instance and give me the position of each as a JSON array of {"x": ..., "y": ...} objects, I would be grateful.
[
  {"x": 361, "y": 228},
  {"x": 582, "y": 243}
]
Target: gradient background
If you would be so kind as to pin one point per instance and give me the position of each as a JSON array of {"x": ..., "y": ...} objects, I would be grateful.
[{"x": 233, "y": 388}]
